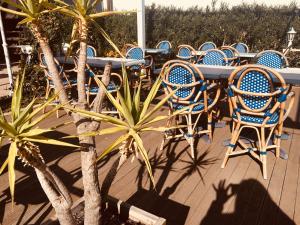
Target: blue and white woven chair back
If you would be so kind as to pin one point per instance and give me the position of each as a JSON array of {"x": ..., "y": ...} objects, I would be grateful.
[
  {"x": 91, "y": 51},
  {"x": 241, "y": 47},
  {"x": 179, "y": 74},
  {"x": 215, "y": 57},
  {"x": 184, "y": 53},
  {"x": 272, "y": 59},
  {"x": 44, "y": 64},
  {"x": 253, "y": 97},
  {"x": 229, "y": 53},
  {"x": 255, "y": 82},
  {"x": 166, "y": 45},
  {"x": 207, "y": 46},
  {"x": 135, "y": 53}
]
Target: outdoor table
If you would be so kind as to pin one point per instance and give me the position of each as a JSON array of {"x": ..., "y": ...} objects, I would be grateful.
[
  {"x": 290, "y": 75},
  {"x": 154, "y": 50},
  {"x": 242, "y": 55},
  {"x": 100, "y": 62}
]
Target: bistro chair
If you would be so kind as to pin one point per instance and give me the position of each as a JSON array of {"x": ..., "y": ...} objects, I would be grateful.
[
  {"x": 68, "y": 83},
  {"x": 187, "y": 53},
  {"x": 92, "y": 88},
  {"x": 241, "y": 47},
  {"x": 126, "y": 47},
  {"x": 194, "y": 97},
  {"x": 272, "y": 59},
  {"x": 214, "y": 57},
  {"x": 142, "y": 70},
  {"x": 256, "y": 103},
  {"x": 90, "y": 51},
  {"x": 233, "y": 56},
  {"x": 166, "y": 45},
  {"x": 207, "y": 46}
]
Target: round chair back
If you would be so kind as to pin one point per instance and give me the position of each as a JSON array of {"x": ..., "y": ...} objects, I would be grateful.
[
  {"x": 272, "y": 59},
  {"x": 241, "y": 47},
  {"x": 207, "y": 46},
  {"x": 215, "y": 57}
]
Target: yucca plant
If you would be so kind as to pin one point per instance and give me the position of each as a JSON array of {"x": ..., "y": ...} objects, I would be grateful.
[
  {"x": 136, "y": 118},
  {"x": 23, "y": 135},
  {"x": 84, "y": 13},
  {"x": 31, "y": 12}
]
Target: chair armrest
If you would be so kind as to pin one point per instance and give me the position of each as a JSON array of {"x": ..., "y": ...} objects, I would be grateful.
[
  {"x": 290, "y": 96},
  {"x": 151, "y": 61}
]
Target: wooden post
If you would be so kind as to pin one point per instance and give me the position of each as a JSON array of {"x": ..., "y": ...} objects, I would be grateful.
[
  {"x": 141, "y": 24},
  {"x": 6, "y": 54}
]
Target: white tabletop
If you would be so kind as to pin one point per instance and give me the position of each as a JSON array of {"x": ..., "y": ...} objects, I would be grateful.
[
  {"x": 155, "y": 50},
  {"x": 291, "y": 75},
  {"x": 102, "y": 61},
  {"x": 242, "y": 55}
]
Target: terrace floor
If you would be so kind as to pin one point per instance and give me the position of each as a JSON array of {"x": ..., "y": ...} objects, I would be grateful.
[{"x": 187, "y": 192}]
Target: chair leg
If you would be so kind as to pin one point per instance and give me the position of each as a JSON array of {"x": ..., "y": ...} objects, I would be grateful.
[
  {"x": 190, "y": 134},
  {"x": 263, "y": 153},
  {"x": 234, "y": 138},
  {"x": 278, "y": 133},
  {"x": 209, "y": 125},
  {"x": 46, "y": 96}
]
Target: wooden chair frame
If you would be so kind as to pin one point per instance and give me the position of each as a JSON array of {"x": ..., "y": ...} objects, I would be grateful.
[
  {"x": 50, "y": 87},
  {"x": 205, "y": 43},
  {"x": 157, "y": 46},
  {"x": 187, "y": 114},
  {"x": 190, "y": 58},
  {"x": 234, "y": 61},
  {"x": 241, "y": 43},
  {"x": 88, "y": 46},
  {"x": 238, "y": 106}
]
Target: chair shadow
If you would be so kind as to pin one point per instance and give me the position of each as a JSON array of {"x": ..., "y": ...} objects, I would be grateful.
[
  {"x": 27, "y": 188},
  {"x": 251, "y": 199},
  {"x": 156, "y": 199}
]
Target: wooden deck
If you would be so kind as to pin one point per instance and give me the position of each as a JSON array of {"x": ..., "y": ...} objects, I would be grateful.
[{"x": 187, "y": 192}]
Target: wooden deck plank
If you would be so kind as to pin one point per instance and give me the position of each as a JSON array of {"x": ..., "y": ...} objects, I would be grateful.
[
  {"x": 272, "y": 198},
  {"x": 289, "y": 190}
]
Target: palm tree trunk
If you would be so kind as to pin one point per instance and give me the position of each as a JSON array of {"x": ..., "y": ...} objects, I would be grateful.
[
  {"x": 52, "y": 67},
  {"x": 56, "y": 192}
]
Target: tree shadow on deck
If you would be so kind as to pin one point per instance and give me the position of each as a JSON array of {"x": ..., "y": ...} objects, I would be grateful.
[
  {"x": 253, "y": 205},
  {"x": 27, "y": 188},
  {"x": 157, "y": 199}
]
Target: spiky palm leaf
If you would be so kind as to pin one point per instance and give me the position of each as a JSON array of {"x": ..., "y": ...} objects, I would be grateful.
[
  {"x": 136, "y": 117},
  {"x": 22, "y": 132}
]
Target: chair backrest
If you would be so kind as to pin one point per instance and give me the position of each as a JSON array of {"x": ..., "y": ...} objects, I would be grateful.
[
  {"x": 135, "y": 53},
  {"x": 231, "y": 53},
  {"x": 44, "y": 65},
  {"x": 190, "y": 86},
  {"x": 272, "y": 59},
  {"x": 166, "y": 45},
  {"x": 252, "y": 92},
  {"x": 207, "y": 46},
  {"x": 241, "y": 47},
  {"x": 185, "y": 52},
  {"x": 90, "y": 51},
  {"x": 215, "y": 57}
]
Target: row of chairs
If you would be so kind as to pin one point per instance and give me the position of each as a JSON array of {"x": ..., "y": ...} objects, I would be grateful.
[
  {"x": 229, "y": 56},
  {"x": 255, "y": 102}
]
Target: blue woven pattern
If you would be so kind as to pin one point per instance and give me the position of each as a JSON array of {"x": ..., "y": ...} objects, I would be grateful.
[
  {"x": 90, "y": 52},
  {"x": 196, "y": 108},
  {"x": 259, "y": 120},
  {"x": 240, "y": 48},
  {"x": 185, "y": 52},
  {"x": 65, "y": 82},
  {"x": 135, "y": 53},
  {"x": 214, "y": 58},
  {"x": 164, "y": 45},
  {"x": 271, "y": 59},
  {"x": 180, "y": 75},
  {"x": 256, "y": 82},
  {"x": 228, "y": 53},
  {"x": 207, "y": 46},
  {"x": 111, "y": 87}
]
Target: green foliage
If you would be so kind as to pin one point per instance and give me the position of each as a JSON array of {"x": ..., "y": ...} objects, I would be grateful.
[
  {"x": 136, "y": 117},
  {"x": 22, "y": 132}
]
